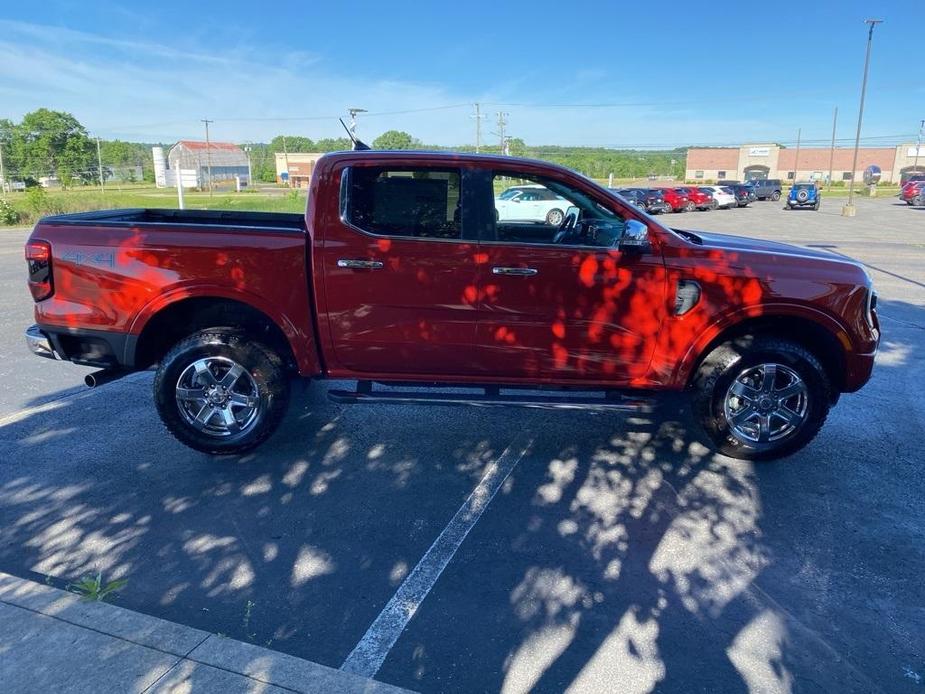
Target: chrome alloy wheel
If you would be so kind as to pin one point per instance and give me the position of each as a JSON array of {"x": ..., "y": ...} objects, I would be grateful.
[
  {"x": 218, "y": 396},
  {"x": 766, "y": 403}
]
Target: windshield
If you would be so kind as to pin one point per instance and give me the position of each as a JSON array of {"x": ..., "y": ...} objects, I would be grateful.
[{"x": 510, "y": 193}]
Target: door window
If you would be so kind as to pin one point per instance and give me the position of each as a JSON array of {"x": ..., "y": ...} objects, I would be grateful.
[
  {"x": 417, "y": 203},
  {"x": 558, "y": 214}
]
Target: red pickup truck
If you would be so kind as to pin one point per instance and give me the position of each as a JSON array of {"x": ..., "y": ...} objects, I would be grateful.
[{"x": 399, "y": 273}]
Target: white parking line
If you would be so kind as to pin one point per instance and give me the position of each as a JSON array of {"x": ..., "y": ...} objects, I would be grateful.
[{"x": 368, "y": 655}]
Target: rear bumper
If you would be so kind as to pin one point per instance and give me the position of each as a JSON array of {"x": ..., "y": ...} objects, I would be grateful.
[
  {"x": 88, "y": 347},
  {"x": 39, "y": 344}
]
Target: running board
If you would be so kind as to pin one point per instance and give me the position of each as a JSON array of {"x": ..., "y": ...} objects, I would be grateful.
[{"x": 492, "y": 397}]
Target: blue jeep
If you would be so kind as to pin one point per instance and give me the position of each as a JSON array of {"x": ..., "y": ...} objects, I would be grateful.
[{"x": 804, "y": 195}]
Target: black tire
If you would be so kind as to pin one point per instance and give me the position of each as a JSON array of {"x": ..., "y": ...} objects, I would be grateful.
[
  {"x": 554, "y": 217},
  {"x": 816, "y": 205},
  {"x": 775, "y": 196},
  {"x": 263, "y": 371},
  {"x": 728, "y": 362},
  {"x": 690, "y": 207}
]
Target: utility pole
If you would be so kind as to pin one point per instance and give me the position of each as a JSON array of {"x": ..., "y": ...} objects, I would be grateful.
[
  {"x": 99, "y": 163},
  {"x": 2, "y": 175},
  {"x": 915, "y": 162},
  {"x": 478, "y": 126},
  {"x": 502, "y": 123},
  {"x": 286, "y": 159},
  {"x": 208, "y": 152},
  {"x": 848, "y": 210},
  {"x": 796, "y": 157},
  {"x": 832, "y": 149}
]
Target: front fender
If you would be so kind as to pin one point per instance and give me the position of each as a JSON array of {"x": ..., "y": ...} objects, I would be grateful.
[{"x": 730, "y": 320}]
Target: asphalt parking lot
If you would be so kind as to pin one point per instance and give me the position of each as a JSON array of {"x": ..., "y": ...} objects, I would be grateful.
[{"x": 616, "y": 554}]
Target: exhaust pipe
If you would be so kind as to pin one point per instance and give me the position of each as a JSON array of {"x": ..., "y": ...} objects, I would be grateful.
[{"x": 101, "y": 378}]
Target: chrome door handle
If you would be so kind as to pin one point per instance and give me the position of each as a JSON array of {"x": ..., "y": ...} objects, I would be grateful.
[
  {"x": 360, "y": 264},
  {"x": 515, "y": 271}
]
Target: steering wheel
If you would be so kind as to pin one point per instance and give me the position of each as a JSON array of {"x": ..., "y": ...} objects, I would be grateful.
[{"x": 566, "y": 228}]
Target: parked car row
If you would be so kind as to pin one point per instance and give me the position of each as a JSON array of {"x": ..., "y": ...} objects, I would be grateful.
[
  {"x": 688, "y": 198},
  {"x": 535, "y": 203}
]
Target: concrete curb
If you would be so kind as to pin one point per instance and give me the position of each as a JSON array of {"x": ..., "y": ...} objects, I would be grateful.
[{"x": 50, "y": 640}]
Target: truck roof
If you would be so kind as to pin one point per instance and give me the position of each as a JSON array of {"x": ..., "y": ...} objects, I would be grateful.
[{"x": 437, "y": 155}]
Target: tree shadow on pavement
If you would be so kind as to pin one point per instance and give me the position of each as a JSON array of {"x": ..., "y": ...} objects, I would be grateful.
[{"x": 621, "y": 555}]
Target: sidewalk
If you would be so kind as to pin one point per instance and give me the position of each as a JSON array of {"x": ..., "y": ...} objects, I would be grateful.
[{"x": 51, "y": 641}]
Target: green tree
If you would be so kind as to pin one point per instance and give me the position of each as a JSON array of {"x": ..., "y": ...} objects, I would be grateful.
[
  {"x": 293, "y": 143},
  {"x": 334, "y": 144},
  {"x": 47, "y": 142},
  {"x": 516, "y": 147},
  {"x": 395, "y": 139}
]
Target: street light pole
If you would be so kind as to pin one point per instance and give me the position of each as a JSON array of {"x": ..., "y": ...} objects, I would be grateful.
[
  {"x": 848, "y": 210},
  {"x": 208, "y": 152},
  {"x": 832, "y": 150},
  {"x": 915, "y": 162},
  {"x": 353, "y": 119}
]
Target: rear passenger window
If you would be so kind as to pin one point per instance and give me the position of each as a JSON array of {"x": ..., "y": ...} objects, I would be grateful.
[{"x": 420, "y": 203}]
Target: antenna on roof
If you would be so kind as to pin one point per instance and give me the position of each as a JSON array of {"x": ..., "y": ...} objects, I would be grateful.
[{"x": 358, "y": 145}]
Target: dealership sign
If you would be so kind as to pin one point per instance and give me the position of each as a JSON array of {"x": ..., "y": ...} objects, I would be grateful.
[
  {"x": 759, "y": 151},
  {"x": 911, "y": 152}
]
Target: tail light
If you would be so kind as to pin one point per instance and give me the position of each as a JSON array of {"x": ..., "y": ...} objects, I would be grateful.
[{"x": 38, "y": 259}]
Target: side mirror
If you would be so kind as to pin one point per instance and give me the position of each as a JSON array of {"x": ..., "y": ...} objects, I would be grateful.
[{"x": 635, "y": 237}]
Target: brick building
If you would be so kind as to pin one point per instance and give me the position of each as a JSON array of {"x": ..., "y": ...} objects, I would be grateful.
[
  {"x": 295, "y": 168},
  {"x": 773, "y": 161}
]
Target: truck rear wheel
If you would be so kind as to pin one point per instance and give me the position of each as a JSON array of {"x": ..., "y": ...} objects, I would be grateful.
[
  {"x": 761, "y": 398},
  {"x": 219, "y": 392}
]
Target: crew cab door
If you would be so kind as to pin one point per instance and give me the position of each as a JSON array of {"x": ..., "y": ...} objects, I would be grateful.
[
  {"x": 399, "y": 273},
  {"x": 559, "y": 306}
]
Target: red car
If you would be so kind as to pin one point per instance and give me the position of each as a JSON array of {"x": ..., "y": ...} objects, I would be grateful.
[
  {"x": 400, "y": 273},
  {"x": 913, "y": 192},
  {"x": 678, "y": 202},
  {"x": 699, "y": 199}
]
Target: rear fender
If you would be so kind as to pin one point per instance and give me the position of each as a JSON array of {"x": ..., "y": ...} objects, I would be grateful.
[{"x": 304, "y": 345}]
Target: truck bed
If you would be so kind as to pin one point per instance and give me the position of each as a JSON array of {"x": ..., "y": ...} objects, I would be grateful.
[{"x": 160, "y": 217}]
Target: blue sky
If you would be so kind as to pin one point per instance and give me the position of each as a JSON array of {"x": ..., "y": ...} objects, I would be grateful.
[{"x": 656, "y": 73}]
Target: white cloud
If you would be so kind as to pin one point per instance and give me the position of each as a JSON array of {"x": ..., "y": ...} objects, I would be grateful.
[
  {"x": 154, "y": 91},
  {"x": 149, "y": 90}
]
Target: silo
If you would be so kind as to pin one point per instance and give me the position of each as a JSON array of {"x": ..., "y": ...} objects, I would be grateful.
[{"x": 160, "y": 167}]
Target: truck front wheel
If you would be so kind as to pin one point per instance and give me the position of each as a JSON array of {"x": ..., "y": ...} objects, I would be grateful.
[
  {"x": 760, "y": 398},
  {"x": 219, "y": 392}
]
